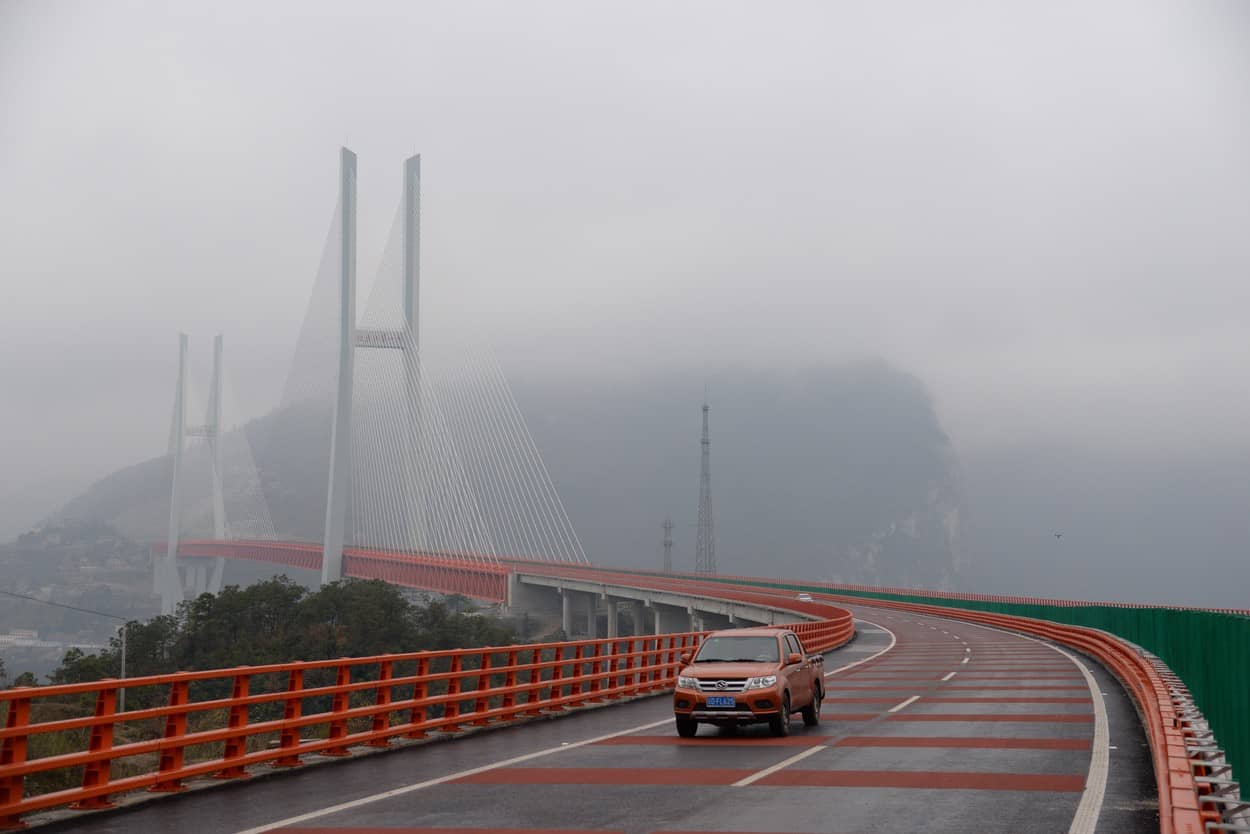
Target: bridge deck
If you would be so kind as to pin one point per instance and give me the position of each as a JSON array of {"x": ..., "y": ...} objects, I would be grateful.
[{"x": 1004, "y": 743}]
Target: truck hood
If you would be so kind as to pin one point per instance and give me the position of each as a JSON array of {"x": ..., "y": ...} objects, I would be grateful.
[{"x": 716, "y": 671}]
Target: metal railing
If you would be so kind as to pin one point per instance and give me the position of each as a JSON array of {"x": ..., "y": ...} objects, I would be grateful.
[{"x": 219, "y": 722}]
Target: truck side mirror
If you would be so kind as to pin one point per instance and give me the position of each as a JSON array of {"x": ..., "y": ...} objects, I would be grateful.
[
  {"x": 794, "y": 657},
  {"x": 685, "y": 658}
]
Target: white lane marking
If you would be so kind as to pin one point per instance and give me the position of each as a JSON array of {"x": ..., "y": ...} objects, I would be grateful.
[
  {"x": 949, "y": 676},
  {"x": 913, "y": 699},
  {"x": 965, "y": 660},
  {"x": 893, "y": 640},
  {"x": 754, "y": 777},
  {"x": 429, "y": 783},
  {"x": 1087, "y": 813},
  {"x": 1090, "y": 808},
  {"x": 968, "y": 651}
]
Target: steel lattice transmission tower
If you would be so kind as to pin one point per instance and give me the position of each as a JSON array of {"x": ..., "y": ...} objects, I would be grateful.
[
  {"x": 668, "y": 545},
  {"x": 705, "y": 544}
]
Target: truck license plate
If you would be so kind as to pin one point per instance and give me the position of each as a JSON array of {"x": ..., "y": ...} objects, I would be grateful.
[{"x": 720, "y": 701}]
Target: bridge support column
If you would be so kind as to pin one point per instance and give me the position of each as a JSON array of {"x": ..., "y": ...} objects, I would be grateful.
[
  {"x": 566, "y": 612},
  {"x": 535, "y": 599},
  {"x": 614, "y": 616},
  {"x": 341, "y": 434}
]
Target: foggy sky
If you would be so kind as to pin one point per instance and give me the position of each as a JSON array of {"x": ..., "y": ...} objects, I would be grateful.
[{"x": 1040, "y": 209}]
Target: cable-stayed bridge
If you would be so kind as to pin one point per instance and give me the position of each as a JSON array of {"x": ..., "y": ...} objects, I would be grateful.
[{"x": 939, "y": 712}]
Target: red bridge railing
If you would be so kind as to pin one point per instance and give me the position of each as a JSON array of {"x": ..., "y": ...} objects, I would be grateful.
[{"x": 221, "y": 721}]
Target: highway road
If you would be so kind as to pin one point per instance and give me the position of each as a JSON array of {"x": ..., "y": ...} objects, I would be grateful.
[{"x": 928, "y": 725}]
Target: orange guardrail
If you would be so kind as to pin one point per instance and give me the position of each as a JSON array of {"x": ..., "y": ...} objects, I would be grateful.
[
  {"x": 1180, "y": 808},
  {"x": 266, "y": 717}
]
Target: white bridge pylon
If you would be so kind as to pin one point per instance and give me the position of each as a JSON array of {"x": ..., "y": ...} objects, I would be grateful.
[
  {"x": 404, "y": 339},
  {"x": 426, "y": 458},
  {"x": 429, "y": 452},
  {"x": 168, "y": 580}
]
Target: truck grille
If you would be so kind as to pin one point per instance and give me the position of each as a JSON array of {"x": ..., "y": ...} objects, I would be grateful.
[{"x": 723, "y": 685}]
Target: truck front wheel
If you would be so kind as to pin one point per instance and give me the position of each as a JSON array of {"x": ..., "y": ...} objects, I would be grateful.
[
  {"x": 687, "y": 727},
  {"x": 780, "y": 724}
]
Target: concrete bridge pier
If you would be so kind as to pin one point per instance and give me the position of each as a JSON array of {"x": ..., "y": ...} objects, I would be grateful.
[
  {"x": 536, "y": 600},
  {"x": 614, "y": 615},
  {"x": 670, "y": 619},
  {"x": 577, "y": 613}
]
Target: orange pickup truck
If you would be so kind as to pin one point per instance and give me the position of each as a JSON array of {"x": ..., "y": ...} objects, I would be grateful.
[{"x": 746, "y": 676}]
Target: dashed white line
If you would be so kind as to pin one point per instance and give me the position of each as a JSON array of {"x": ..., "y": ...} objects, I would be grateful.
[
  {"x": 949, "y": 676},
  {"x": 893, "y": 640},
  {"x": 913, "y": 699},
  {"x": 754, "y": 777},
  {"x": 429, "y": 783},
  {"x": 965, "y": 660},
  {"x": 1085, "y": 821}
]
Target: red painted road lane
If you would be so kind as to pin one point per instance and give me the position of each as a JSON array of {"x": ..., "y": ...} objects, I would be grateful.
[
  {"x": 958, "y": 688},
  {"x": 939, "y": 780},
  {"x": 941, "y": 699},
  {"x": 932, "y": 780},
  {"x": 447, "y": 831},
  {"x": 1034, "y": 718},
  {"x": 713, "y": 741},
  {"x": 968, "y": 742},
  {"x": 606, "y": 776},
  {"x": 856, "y": 741}
]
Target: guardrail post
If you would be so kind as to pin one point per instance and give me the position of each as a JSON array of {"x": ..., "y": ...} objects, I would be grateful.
[
  {"x": 509, "y": 685},
  {"x": 340, "y": 704},
  {"x": 236, "y": 746},
  {"x": 655, "y": 662},
  {"x": 481, "y": 705},
  {"x": 176, "y": 731},
  {"x": 596, "y": 682},
  {"x": 420, "y": 689},
  {"x": 292, "y": 709},
  {"x": 579, "y": 673},
  {"x": 631, "y": 677},
  {"x": 96, "y": 773},
  {"x": 614, "y": 666},
  {"x": 12, "y": 753},
  {"x": 557, "y": 679},
  {"x": 382, "y": 720},
  {"x": 533, "y": 694},
  {"x": 451, "y": 709}
]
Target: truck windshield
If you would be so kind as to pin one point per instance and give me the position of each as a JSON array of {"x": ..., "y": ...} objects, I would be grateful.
[{"x": 738, "y": 650}]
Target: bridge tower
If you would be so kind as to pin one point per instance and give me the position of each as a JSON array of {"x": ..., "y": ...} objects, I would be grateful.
[
  {"x": 705, "y": 543},
  {"x": 351, "y": 337},
  {"x": 169, "y": 583}
]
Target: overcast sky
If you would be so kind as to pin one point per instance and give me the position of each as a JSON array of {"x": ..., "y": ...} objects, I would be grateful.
[{"x": 1042, "y": 209}]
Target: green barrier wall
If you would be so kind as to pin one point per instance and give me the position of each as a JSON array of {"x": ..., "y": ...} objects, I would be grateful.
[{"x": 1210, "y": 651}]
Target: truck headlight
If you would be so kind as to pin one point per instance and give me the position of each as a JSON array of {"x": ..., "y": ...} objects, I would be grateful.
[
  {"x": 762, "y": 683},
  {"x": 684, "y": 682}
]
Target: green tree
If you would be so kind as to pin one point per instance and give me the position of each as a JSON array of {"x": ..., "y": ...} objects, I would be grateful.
[{"x": 80, "y": 667}]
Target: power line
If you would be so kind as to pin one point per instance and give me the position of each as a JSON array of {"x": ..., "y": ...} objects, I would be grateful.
[
  {"x": 121, "y": 693},
  {"x": 63, "y": 605}
]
